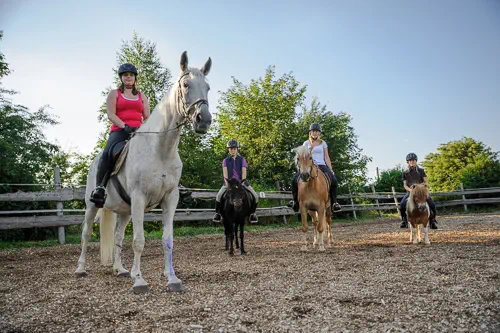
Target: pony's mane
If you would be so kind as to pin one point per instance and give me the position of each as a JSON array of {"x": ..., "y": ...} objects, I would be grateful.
[
  {"x": 234, "y": 182},
  {"x": 301, "y": 151},
  {"x": 420, "y": 192}
]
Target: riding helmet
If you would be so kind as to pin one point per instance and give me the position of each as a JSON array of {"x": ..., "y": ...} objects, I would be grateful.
[
  {"x": 233, "y": 144},
  {"x": 315, "y": 127},
  {"x": 127, "y": 67},
  {"x": 411, "y": 156}
]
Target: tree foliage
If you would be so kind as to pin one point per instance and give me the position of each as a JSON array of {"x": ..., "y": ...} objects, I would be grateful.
[
  {"x": 462, "y": 161},
  {"x": 348, "y": 161},
  {"x": 389, "y": 178},
  {"x": 261, "y": 117}
]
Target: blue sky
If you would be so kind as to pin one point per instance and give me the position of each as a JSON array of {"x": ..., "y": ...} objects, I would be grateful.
[{"x": 412, "y": 74}]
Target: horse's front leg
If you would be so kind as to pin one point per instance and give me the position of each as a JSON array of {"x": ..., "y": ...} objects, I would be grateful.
[
  {"x": 303, "y": 215},
  {"x": 231, "y": 238},
  {"x": 314, "y": 218},
  {"x": 168, "y": 206},
  {"x": 321, "y": 228},
  {"x": 237, "y": 243},
  {"x": 138, "y": 206},
  {"x": 90, "y": 214},
  {"x": 242, "y": 233},
  {"x": 119, "y": 235}
]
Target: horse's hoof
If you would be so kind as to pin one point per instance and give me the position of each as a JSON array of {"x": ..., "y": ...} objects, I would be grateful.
[
  {"x": 80, "y": 273},
  {"x": 124, "y": 275},
  {"x": 176, "y": 287},
  {"x": 303, "y": 248},
  {"x": 231, "y": 253},
  {"x": 141, "y": 290},
  {"x": 243, "y": 253},
  {"x": 321, "y": 249},
  {"x": 427, "y": 243}
]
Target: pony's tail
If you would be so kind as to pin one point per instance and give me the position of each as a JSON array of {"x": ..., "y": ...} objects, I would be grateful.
[{"x": 107, "y": 239}]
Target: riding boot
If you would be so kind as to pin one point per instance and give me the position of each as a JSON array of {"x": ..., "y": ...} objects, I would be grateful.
[
  {"x": 253, "y": 216},
  {"x": 217, "y": 217},
  {"x": 433, "y": 221},
  {"x": 404, "y": 220},
  {"x": 295, "y": 193}
]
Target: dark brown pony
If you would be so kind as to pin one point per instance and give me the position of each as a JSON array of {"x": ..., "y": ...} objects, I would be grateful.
[
  {"x": 418, "y": 213},
  {"x": 313, "y": 198}
]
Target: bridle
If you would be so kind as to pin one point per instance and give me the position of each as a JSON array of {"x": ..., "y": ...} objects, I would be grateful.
[{"x": 185, "y": 111}]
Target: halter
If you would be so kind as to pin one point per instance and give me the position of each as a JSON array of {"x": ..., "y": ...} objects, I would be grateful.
[{"x": 185, "y": 111}]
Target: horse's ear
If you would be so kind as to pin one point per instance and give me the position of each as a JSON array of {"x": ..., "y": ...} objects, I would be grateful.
[
  {"x": 412, "y": 187},
  {"x": 206, "y": 68},
  {"x": 184, "y": 61}
]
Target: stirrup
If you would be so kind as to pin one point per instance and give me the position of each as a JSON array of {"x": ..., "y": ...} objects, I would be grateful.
[
  {"x": 217, "y": 218},
  {"x": 99, "y": 201},
  {"x": 336, "y": 207},
  {"x": 255, "y": 220}
]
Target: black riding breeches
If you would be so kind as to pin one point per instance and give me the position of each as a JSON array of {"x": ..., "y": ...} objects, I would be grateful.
[{"x": 106, "y": 161}]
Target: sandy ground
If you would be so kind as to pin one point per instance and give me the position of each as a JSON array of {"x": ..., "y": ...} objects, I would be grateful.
[{"x": 370, "y": 280}]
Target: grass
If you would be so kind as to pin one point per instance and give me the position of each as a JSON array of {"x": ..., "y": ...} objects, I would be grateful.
[{"x": 73, "y": 235}]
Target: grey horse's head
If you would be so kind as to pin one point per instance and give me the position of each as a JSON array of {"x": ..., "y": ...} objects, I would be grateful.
[{"x": 192, "y": 94}]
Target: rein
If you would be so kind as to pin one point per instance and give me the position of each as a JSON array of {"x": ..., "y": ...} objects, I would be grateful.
[{"x": 185, "y": 112}]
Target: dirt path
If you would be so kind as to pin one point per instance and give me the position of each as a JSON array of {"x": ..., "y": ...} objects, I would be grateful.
[{"x": 370, "y": 280}]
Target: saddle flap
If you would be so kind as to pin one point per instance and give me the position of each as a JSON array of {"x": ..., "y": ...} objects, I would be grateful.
[{"x": 119, "y": 155}]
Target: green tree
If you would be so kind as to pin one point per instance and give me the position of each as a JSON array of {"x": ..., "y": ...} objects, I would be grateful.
[
  {"x": 348, "y": 161},
  {"x": 389, "y": 178},
  {"x": 460, "y": 161},
  {"x": 261, "y": 117},
  {"x": 25, "y": 153}
]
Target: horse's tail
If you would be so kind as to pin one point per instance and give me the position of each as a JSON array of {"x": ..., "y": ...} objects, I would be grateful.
[{"x": 107, "y": 231}]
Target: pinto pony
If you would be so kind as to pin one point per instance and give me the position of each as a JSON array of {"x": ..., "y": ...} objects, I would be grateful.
[
  {"x": 313, "y": 198},
  {"x": 418, "y": 213}
]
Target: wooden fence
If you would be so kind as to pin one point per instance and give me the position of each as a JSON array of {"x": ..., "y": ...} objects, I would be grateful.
[{"x": 61, "y": 217}]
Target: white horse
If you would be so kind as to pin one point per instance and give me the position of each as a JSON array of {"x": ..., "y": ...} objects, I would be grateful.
[{"x": 150, "y": 176}]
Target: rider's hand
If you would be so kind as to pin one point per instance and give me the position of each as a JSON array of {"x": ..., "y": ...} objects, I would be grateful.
[{"x": 129, "y": 129}]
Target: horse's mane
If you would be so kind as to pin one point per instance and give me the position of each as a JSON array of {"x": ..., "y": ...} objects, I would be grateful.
[
  {"x": 234, "y": 182},
  {"x": 301, "y": 151},
  {"x": 421, "y": 192}
]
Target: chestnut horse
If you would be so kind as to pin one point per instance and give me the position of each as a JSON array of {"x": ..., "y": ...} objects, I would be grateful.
[
  {"x": 418, "y": 213},
  {"x": 313, "y": 198}
]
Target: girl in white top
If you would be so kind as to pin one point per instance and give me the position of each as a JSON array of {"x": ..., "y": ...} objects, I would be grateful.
[{"x": 322, "y": 159}]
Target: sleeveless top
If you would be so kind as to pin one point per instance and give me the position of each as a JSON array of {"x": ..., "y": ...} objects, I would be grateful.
[
  {"x": 129, "y": 111},
  {"x": 318, "y": 153}
]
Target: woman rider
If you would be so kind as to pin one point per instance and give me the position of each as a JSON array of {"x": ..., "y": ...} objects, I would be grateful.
[
  {"x": 126, "y": 108},
  {"x": 321, "y": 158}
]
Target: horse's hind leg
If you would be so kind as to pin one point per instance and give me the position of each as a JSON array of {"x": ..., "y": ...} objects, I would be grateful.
[
  {"x": 119, "y": 235},
  {"x": 90, "y": 214},
  {"x": 426, "y": 233}
]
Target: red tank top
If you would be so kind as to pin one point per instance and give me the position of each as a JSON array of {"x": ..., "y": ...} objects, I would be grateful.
[{"x": 129, "y": 111}]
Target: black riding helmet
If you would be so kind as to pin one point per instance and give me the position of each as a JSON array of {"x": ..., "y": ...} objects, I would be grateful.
[
  {"x": 232, "y": 144},
  {"x": 411, "y": 156},
  {"x": 127, "y": 67},
  {"x": 315, "y": 127}
]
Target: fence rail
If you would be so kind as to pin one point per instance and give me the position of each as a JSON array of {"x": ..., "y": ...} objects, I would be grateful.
[{"x": 66, "y": 217}]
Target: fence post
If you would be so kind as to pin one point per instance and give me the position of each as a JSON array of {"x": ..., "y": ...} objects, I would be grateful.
[
  {"x": 59, "y": 205},
  {"x": 463, "y": 196},
  {"x": 352, "y": 205},
  {"x": 396, "y": 200},
  {"x": 376, "y": 201},
  {"x": 278, "y": 188}
]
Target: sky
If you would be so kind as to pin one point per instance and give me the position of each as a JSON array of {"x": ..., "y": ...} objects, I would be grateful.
[{"x": 412, "y": 74}]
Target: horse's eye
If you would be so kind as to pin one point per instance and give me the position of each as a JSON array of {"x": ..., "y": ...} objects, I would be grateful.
[{"x": 185, "y": 84}]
